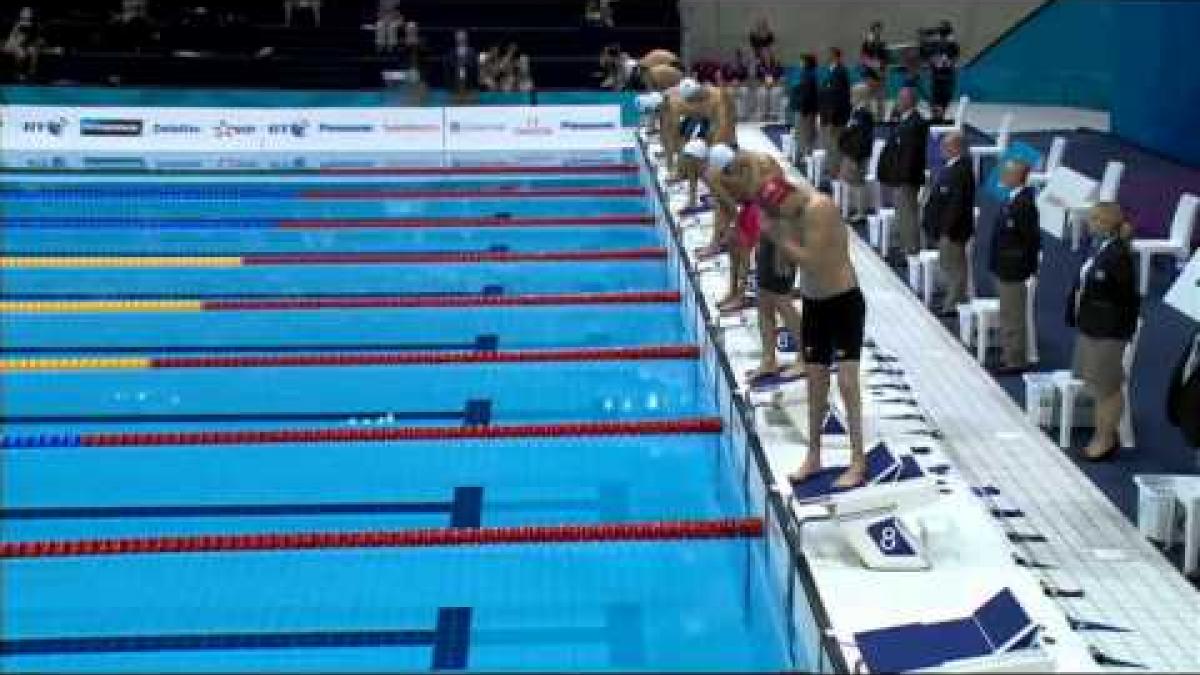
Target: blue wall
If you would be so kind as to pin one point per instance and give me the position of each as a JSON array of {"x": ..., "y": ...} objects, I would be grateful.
[
  {"x": 1063, "y": 54},
  {"x": 1157, "y": 105}
]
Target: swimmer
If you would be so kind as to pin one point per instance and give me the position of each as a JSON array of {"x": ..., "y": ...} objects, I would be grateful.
[
  {"x": 805, "y": 228},
  {"x": 774, "y": 272},
  {"x": 695, "y": 166}
]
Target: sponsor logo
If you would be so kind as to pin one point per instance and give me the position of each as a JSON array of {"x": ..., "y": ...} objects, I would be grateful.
[
  {"x": 179, "y": 164},
  {"x": 296, "y": 129},
  {"x": 226, "y": 130},
  {"x": 235, "y": 163},
  {"x": 346, "y": 128},
  {"x": 54, "y": 127},
  {"x": 115, "y": 162},
  {"x": 411, "y": 128},
  {"x": 110, "y": 126},
  {"x": 173, "y": 129},
  {"x": 459, "y": 127},
  {"x": 532, "y": 128},
  {"x": 587, "y": 126},
  {"x": 348, "y": 164}
]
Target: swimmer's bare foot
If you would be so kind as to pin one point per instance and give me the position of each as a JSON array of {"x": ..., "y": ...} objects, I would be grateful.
[
  {"x": 794, "y": 371},
  {"x": 708, "y": 250},
  {"x": 761, "y": 373},
  {"x": 854, "y": 475},
  {"x": 733, "y": 303},
  {"x": 811, "y": 465}
]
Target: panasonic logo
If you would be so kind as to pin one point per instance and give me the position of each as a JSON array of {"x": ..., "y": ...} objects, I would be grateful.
[
  {"x": 347, "y": 128},
  {"x": 588, "y": 125}
]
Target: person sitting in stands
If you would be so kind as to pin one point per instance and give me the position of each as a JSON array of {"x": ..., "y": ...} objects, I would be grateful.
[
  {"x": 506, "y": 68},
  {"x": 598, "y": 13},
  {"x": 489, "y": 63},
  {"x": 768, "y": 72},
  {"x": 761, "y": 37},
  {"x": 24, "y": 44},
  {"x": 1103, "y": 307},
  {"x": 735, "y": 75},
  {"x": 613, "y": 75},
  {"x": 302, "y": 13},
  {"x": 131, "y": 29},
  {"x": 388, "y": 26},
  {"x": 462, "y": 68},
  {"x": 523, "y": 76}
]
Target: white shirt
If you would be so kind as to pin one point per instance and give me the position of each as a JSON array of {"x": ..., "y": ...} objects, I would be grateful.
[{"x": 1086, "y": 268}]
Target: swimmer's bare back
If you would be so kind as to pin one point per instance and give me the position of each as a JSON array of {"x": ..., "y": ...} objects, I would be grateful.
[
  {"x": 662, "y": 77},
  {"x": 716, "y": 107},
  {"x": 807, "y": 226},
  {"x": 658, "y": 57}
]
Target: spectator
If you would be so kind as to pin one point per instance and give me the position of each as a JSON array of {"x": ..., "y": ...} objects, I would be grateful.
[
  {"x": 902, "y": 166},
  {"x": 489, "y": 63},
  {"x": 761, "y": 37},
  {"x": 855, "y": 141},
  {"x": 873, "y": 62},
  {"x": 1016, "y": 245},
  {"x": 506, "y": 68},
  {"x": 803, "y": 101},
  {"x": 413, "y": 53},
  {"x": 949, "y": 218},
  {"x": 1103, "y": 307},
  {"x": 614, "y": 73},
  {"x": 735, "y": 76},
  {"x": 302, "y": 13},
  {"x": 943, "y": 68},
  {"x": 131, "y": 28},
  {"x": 523, "y": 76},
  {"x": 835, "y": 111},
  {"x": 768, "y": 72},
  {"x": 24, "y": 44},
  {"x": 598, "y": 13},
  {"x": 462, "y": 68},
  {"x": 388, "y": 24}
]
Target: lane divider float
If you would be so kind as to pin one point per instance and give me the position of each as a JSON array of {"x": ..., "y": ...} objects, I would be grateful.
[
  {"x": 692, "y": 425},
  {"x": 678, "y": 530},
  {"x": 204, "y": 223},
  {"x": 292, "y": 303},
  {"x": 276, "y": 259},
  {"x": 457, "y": 357},
  {"x": 480, "y": 193}
]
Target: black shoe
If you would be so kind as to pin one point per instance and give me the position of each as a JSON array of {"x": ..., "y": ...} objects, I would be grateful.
[{"x": 1009, "y": 371}]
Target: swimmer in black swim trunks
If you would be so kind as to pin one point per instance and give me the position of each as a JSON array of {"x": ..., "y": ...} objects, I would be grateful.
[{"x": 807, "y": 228}]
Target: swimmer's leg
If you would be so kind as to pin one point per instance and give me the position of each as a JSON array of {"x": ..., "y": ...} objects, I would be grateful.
[{"x": 848, "y": 385}]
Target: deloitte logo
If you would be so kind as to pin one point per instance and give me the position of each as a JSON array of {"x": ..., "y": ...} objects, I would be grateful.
[{"x": 176, "y": 129}]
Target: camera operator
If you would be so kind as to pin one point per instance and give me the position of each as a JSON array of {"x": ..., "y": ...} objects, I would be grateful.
[{"x": 939, "y": 48}]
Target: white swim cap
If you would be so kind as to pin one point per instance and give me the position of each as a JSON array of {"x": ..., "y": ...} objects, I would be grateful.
[
  {"x": 649, "y": 102},
  {"x": 720, "y": 155},
  {"x": 689, "y": 88},
  {"x": 697, "y": 149}
]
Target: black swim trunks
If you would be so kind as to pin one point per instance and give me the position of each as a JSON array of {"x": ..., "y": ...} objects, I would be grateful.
[
  {"x": 771, "y": 270},
  {"x": 832, "y": 328},
  {"x": 692, "y": 128}
]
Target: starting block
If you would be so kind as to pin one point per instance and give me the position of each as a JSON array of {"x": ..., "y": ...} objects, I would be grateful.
[{"x": 869, "y": 517}]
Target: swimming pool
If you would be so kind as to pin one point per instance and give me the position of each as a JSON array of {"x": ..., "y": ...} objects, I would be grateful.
[{"x": 336, "y": 422}]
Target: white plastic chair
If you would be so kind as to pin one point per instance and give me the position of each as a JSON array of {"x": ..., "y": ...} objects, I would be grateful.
[
  {"x": 1110, "y": 185},
  {"x": 977, "y": 320},
  {"x": 1054, "y": 158},
  {"x": 1178, "y": 242},
  {"x": 978, "y": 152},
  {"x": 1070, "y": 388},
  {"x": 960, "y": 116}
]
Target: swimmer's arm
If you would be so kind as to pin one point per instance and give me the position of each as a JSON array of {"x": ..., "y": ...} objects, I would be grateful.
[
  {"x": 719, "y": 193},
  {"x": 800, "y": 255}
]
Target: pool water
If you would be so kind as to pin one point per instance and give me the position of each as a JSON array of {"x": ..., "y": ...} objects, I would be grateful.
[{"x": 83, "y": 357}]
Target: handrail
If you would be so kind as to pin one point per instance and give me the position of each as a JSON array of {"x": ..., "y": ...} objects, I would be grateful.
[{"x": 777, "y": 508}]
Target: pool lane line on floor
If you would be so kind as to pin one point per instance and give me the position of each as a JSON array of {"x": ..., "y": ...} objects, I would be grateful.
[
  {"x": 481, "y": 343},
  {"x": 450, "y": 639},
  {"x": 88, "y": 261},
  {"x": 327, "y": 436},
  {"x": 476, "y": 412},
  {"x": 460, "y": 357},
  {"x": 669, "y": 530},
  {"x": 201, "y": 223},
  {"x": 464, "y": 509},
  {"x": 370, "y": 301}
]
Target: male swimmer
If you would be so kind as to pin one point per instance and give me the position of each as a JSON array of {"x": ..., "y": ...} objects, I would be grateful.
[
  {"x": 699, "y": 163},
  {"x": 805, "y": 227}
]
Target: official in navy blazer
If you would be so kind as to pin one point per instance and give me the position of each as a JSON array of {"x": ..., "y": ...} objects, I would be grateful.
[
  {"x": 1103, "y": 307},
  {"x": 1014, "y": 256},
  {"x": 949, "y": 218}
]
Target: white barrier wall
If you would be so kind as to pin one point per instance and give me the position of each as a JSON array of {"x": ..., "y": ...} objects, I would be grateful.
[{"x": 66, "y": 129}]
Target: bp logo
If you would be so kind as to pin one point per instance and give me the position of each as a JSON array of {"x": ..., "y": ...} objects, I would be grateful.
[
  {"x": 54, "y": 127},
  {"x": 296, "y": 129}
]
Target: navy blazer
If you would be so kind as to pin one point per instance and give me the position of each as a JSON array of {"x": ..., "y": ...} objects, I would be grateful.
[
  {"x": 1016, "y": 239},
  {"x": 950, "y": 210},
  {"x": 1108, "y": 300}
]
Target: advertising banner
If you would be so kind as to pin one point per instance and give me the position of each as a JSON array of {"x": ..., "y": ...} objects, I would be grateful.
[
  {"x": 535, "y": 127},
  {"x": 233, "y": 130}
]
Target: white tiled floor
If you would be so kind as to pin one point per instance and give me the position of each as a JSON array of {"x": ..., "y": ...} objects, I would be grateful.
[{"x": 988, "y": 441}]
